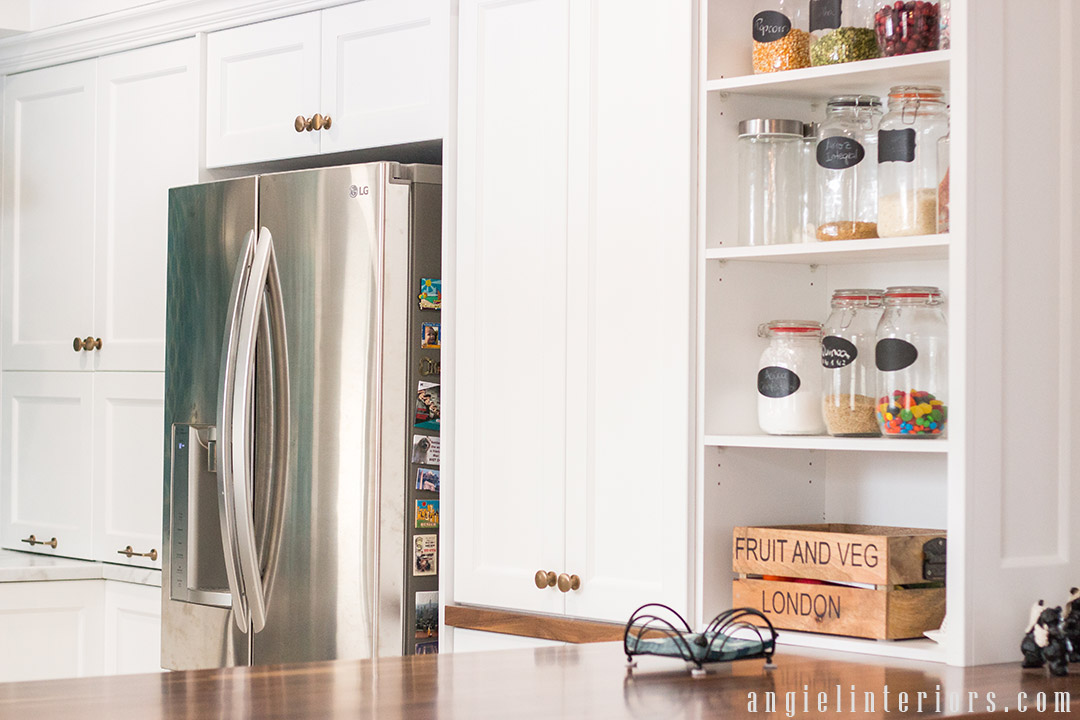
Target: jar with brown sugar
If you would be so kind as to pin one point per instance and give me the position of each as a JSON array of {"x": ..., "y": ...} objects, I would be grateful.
[{"x": 847, "y": 167}]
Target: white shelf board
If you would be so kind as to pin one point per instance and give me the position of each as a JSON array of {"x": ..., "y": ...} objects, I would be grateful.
[
  {"x": 921, "y": 247},
  {"x": 826, "y": 442},
  {"x": 865, "y": 76},
  {"x": 917, "y": 649}
]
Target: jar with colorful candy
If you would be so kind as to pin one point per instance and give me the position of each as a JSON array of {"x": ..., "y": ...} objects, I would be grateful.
[
  {"x": 907, "y": 27},
  {"x": 912, "y": 362}
]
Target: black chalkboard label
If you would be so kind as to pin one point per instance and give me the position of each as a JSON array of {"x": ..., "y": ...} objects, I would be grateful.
[
  {"x": 837, "y": 352},
  {"x": 770, "y": 26},
  {"x": 896, "y": 145},
  {"x": 839, "y": 153},
  {"x": 777, "y": 382},
  {"x": 824, "y": 14},
  {"x": 892, "y": 354}
]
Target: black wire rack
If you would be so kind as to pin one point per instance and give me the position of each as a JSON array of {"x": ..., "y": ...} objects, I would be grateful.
[{"x": 656, "y": 629}]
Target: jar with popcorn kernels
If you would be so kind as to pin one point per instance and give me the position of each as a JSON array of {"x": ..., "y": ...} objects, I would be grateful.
[{"x": 780, "y": 36}]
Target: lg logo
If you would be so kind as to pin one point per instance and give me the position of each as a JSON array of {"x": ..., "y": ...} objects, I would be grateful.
[{"x": 355, "y": 191}]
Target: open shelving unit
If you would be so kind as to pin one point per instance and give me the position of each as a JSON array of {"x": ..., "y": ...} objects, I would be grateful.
[{"x": 749, "y": 478}]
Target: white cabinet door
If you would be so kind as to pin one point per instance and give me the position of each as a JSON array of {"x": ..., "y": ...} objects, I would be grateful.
[
  {"x": 128, "y": 411},
  {"x": 46, "y": 461},
  {"x": 630, "y": 442},
  {"x": 385, "y": 73},
  {"x": 148, "y": 142},
  {"x": 511, "y": 312},
  {"x": 48, "y": 217},
  {"x": 259, "y": 78},
  {"x": 132, "y": 628},
  {"x": 51, "y": 629}
]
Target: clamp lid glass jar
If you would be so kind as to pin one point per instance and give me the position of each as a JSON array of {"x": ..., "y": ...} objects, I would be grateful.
[
  {"x": 847, "y": 359},
  {"x": 847, "y": 168},
  {"x": 780, "y": 39},
  {"x": 770, "y": 180},
  {"x": 842, "y": 31},
  {"x": 789, "y": 378},
  {"x": 907, "y": 160},
  {"x": 912, "y": 362}
]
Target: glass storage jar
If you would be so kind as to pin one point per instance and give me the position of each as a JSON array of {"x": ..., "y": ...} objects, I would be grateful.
[
  {"x": 907, "y": 27},
  {"x": 789, "y": 378},
  {"x": 806, "y": 227},
  {"x": 780, "y": 37},
  {"x": 907, "y": 160},
  {"x": 842, "y": 31},
  {"x": 912, "y": 360},
  {"x": 847, "y": 359},
  {"x": 846, "y": 161},
  {"x": 769, "y": 180},
  {"x": 945, "y": 25}
]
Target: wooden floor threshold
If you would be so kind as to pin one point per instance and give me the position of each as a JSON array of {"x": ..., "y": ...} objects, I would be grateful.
[{"x": 536, "y": 625}]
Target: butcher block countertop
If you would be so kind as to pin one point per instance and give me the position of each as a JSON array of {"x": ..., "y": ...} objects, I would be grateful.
[{"x": 584, "y": 681}]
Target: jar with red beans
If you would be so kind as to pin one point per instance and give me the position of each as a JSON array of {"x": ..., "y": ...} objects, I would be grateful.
[{"x": 907, "y": 27}]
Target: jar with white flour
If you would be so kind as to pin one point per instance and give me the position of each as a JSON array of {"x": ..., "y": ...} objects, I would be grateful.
[{"x": 789, "y": 378}]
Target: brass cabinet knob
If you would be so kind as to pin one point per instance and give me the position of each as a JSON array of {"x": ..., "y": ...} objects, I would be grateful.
[
  {"x": 131, "y": 553},
  {"x": 32, "y": 541},
  {"x": 326, "y": 123},
  {"x": 544, "y": 579},
  {"x": 317, "y": 122},
  {"x": 568, "y": 582},
  {"x": 91, "y": 343},
  {"x": 300, "y": 123},
  {"x": 77, "y": 344}
]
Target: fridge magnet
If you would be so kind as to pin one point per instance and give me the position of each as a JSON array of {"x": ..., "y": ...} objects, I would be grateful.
[
  {"x": 431, "y": 336},
  {"x": 427, "y": 405},
  {"x": 430, "y": 294},
  {"x": 427, "y": 648},
  {"x": 427, "y": 479},
  {"x": 430, "y": 367},
  {"x": 427, "y": 615},
  {"x": 427, "y": 514},
  {"x": 425, "y": 555},
  {"x": 425, "y": 449}
]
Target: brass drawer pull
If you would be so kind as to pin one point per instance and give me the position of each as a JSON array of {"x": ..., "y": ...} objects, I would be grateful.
[
  {"x": 87, "y": 343},
  {"x": 544, "y": 579},
  {"x": 34, "y": 541},
  {"x": 131, "y": 553},
  {"x": 568, "y": 582},
  {"x": 300, "y": 123}
]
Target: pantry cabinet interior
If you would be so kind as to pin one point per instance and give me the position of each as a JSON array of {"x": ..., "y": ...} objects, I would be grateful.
[{"x": 998, "y": 485}]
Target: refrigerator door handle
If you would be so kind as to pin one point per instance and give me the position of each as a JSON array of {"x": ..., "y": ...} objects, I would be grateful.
[
  {"x": 226, "y": 415},
  {"x": 272, "y": 329},
  {"x": 243, "y": 451}
]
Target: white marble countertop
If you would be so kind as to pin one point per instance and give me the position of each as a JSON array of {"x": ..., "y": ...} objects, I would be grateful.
[{"x": 26, "y": 567}]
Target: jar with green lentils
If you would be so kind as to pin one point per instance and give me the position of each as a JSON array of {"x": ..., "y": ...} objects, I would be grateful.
[{"x": 842, "y": 31}]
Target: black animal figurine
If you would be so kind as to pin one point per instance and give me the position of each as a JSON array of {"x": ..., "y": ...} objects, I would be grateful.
[
  {"x": 1046, "y": 637},
  {"x": 1071, "y": 624},
  {"x": 1028, "y": 646}
]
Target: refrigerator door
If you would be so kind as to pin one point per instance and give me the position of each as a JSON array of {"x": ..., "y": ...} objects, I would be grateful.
[
  {"x": 335, "y": 232},
  {"x": 207, "y": 228}
]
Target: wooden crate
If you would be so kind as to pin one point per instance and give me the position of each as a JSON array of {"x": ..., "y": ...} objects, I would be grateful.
[
  {"x": 879, "y": 614},
  {"x": 871, "y": 554},
  {"x": 877, "y": 557}
]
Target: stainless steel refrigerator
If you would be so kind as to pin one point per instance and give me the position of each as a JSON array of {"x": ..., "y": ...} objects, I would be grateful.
[{"x": 302, "y": 417}]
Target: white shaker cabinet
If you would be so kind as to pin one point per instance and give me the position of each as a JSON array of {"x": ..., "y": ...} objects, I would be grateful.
[
  {"x": 147, "y": 139},
  {"x": 47, "y": 231},
  {"x": 132, "y": 628},
  {"x": 362, "y": 75},
  {"x": 46, "y": 462},
  {"x": 572, "y": 294},
  {"x": 90, "y": 150},
  {"x": 128, "y": 408},
  {"x": 51, "y": 629}
]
